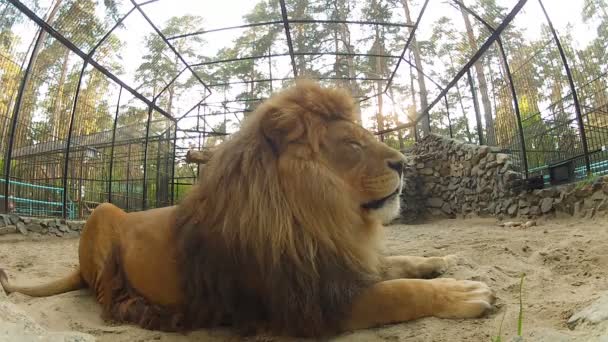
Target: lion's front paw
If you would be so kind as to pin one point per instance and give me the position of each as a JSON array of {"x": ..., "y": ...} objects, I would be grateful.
[
  {"x": 436, "y": 266},
  {"x": 461, "y": 298}
]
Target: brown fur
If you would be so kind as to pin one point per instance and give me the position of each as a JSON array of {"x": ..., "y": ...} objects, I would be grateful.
[
  {"x": 281, "y": 234},
  {"x": 289, "y": 255}
]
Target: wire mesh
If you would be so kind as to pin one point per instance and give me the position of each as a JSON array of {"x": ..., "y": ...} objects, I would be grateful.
[{"x": 102, "y": 100}]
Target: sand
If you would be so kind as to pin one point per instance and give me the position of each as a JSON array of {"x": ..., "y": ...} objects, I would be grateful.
[{"x": 565, "y": 262}]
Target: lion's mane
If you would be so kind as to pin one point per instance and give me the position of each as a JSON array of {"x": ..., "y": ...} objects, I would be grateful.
[{"x": 269, "y": 238}]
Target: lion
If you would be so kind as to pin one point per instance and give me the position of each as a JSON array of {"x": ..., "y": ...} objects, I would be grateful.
[{"x": 282, "y": 235}]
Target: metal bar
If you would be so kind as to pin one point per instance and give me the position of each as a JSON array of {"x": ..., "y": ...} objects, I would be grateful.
[
  {"x": 128, "y": 181},
  {"x": 413, "y": 65},
  {"x": 103, "y": 39},
  {"x": 204, "y": 132},
  {"x": 173, "y": 165},
  {"x": 291, "y": 78},
  {"x": 326, "y": 53},
  {"x": 475, "y": 15},
  {"x": 520, "y": 128},
  {"x": 185, "y": 35},
  {"x": 169, "y": 84},
  {"x": 69, "y": 140},
  {"x": 484, "y": 47},
  {"x": 447, "y": 110},
  {"x": 355, "y": 22},
  {"x": 162, "y": 36},
  {"x": 112, "y": 146},
  {"x": 147, "y": 2},
  {"x": 144, "y": 201},
  {"x": 63, "y": 40},
  {"x": 405, "y": 47},
  {"x": 475, "y": 107},
  {"x": 14, "y": 121},
  {"x": 238, "y": 59},
  {"x": 288, "y": 37},
  {"x": 577, "y": 106}
]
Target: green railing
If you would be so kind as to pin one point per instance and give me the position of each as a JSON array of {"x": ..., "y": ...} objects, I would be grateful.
[{"x": 37, "y": 207}]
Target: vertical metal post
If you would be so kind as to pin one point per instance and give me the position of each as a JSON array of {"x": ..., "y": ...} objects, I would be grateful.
[
  {"x": 476, "y": 106},
  {"x": 520, "y": 128},
  {"x": 577, "y": 105},
  {"x": 447, "y": 110},
  {"x": 144, "y": 202},
  {"x": 173, "y": 164},
  {"x": 69, "y": 140},
  {"x": 15, "y": 119},
  {"x": 112, "y": 146},
  {"x": 128, "y": 175},
  {"x": 198, "y": 128},
  {"x": 158, "y": 147}
]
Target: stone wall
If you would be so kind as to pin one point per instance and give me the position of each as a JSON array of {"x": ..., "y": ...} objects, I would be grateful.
[
  {"x": 448, "y": 178},
  {"x": 11, "y": 224}
]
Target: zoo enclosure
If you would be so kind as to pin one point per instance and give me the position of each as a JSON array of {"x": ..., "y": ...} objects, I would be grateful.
[{"x": 78, "y": 131}]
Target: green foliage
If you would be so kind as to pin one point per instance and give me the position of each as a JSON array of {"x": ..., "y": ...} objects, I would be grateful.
[{"x": 520, "y": 316}]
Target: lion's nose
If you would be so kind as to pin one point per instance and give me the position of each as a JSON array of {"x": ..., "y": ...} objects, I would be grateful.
[{"x": 396, "y": 165}]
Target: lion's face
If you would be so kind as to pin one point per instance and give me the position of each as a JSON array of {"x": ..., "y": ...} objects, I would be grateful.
[
  {"x": 313, "y": 128},
  {"x": 373, "y": 170}
]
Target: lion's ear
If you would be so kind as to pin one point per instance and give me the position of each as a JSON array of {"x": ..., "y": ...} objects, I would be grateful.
[{"x": 280, "y": 128}]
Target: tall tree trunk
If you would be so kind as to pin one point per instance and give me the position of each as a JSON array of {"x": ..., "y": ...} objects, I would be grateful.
[
  {"x": 342, "y": 9},
  {"x": 459, "y": 94},
  {"x": 481, "y": 79},
  {"x": 396, "y": 118},
  {"x": 424, "y": 102},
  {"x": 58, "y": 106},
  {"x": 412, "y": 116},
  {"x": 379, "y": 83},
  {"x": 38, "y": 45}
]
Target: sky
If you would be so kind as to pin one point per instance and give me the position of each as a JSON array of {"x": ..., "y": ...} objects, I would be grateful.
[{"x": 224, "y": 13}]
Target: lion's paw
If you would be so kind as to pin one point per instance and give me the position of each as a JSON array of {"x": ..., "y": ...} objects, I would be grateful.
[
  {"x": 461, "y": 298},
  {"x": 437, "y": 266},
  {"x": 452, "y": 260}
]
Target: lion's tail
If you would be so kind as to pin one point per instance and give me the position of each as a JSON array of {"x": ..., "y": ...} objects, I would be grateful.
[{"x": 71, "y": 282}]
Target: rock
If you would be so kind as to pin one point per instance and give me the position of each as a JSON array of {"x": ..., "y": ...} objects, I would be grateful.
[
  {"x": 501, "y": 158},
  {"x": 21, "y": 228},
  {"x": 512, "y": 209},
  {"x": 63, "y": 228},
  {"x": 9, "y": 229},
  {"x": 4, "y": 220},
  {"x": 544, "y": 193},
  {"x": 435, "y": 202},
  {"x": 593, "y": 314},
  {"x": 583, "y": 192},
  {"x": 510, "y": 224},
  {"x": 446, "y": 208},
  {"x": 27, "y": 220},
  {"x": 535, "y": 210},
  {"x": 546, "y": 205},
  {"x": 483, "y": 151},
  {"x": 36, "y": 228},
  {"x": 529, "y": 224},
  {"x": 427, "y": 171},
  {"x": 14, "y": 219},
  {"x": 598, "y": 196}
]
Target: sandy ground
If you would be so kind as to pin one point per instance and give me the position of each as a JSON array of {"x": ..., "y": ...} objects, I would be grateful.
[{"x": 565, "y": 262}]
